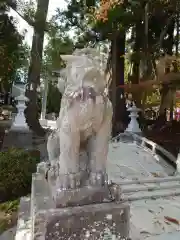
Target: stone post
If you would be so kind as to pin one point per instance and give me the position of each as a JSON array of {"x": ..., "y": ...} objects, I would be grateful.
[
  {"x": 133, "y": 126},
  {"x": 44, "y": 102}
]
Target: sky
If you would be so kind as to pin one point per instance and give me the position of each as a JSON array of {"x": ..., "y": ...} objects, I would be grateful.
[{"x": 22, "y": 25}]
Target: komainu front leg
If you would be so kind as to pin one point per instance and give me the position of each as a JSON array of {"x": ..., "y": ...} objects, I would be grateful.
[
  {"x": 53, "y": 147},
  {"x": 98, "y": 151},
  {"x": 69, "y": 169}
]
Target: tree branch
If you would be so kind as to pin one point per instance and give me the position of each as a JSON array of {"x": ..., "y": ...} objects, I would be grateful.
[
  {"x": 165, "y": 79},
  {"x": 163, "y": 33},
  {"x": 11, "y": 4}
]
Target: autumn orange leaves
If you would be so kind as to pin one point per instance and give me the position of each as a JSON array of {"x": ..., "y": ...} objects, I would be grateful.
[{"x": 101, "y": 12}]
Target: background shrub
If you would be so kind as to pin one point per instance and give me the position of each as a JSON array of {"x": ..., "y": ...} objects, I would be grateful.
[{"x": 16, "y": 168}]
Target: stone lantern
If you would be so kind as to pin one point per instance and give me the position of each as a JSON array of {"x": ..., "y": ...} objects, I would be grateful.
[
  {"x": 20, "y": 120},
  {"x": 133, "y": 126}
]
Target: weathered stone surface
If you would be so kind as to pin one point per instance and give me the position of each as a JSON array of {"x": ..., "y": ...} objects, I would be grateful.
[
  {"x": 92, "y": 222},
  {"x": 24, "y": 224},
  {"x": 77, "y": 192},
  {"x": 82, "y": 196},
  {"x": 88, "y": 222},
  {"x": 42, "y": 168},
  {"x": 41, "y": 200},
  {"x": 48, "y": 221}
]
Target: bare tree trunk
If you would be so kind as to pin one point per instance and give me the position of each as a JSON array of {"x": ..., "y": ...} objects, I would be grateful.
[
  {"x": 172, "y": 100},
  {"x": 164, "y": 99},
  {"x": 177, "y": 35},
  {"x": 117, "y": 94},
  {"x": 135, "y": 61},
  {"x": 168, "y": 50},
  {"x": 31, "y": 112}
]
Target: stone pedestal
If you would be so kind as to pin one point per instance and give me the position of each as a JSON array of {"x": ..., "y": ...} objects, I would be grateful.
[
  {"x": 26, "y": 140},
  {"x": 89, "y": 212},
  {"x": 18, "y": 139}
]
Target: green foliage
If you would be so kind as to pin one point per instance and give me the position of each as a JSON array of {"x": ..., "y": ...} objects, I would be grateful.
[
  {"x": 53, "y": 100},
  {"x": 27, "y": 8},
  {"x": 126, "y": 70},
  {"x": 77, "y": 17},
  {"x": 22, "y": 63},
  {"x": 11, "y": 51},
  {"x": 8, "y": 212},
  {"x": 58, "y": 43},
  {"x": 74, "y": 15},
  {"x": 153, "y": 98},
  {"x": 16, "y": 168},
  {"x": 9, "y": 206}
]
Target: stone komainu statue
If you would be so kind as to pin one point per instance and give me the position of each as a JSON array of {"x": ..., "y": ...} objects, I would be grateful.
[{"x": 85, "y": 116}]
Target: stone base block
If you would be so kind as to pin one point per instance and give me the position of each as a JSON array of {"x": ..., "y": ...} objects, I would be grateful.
[
  {"x": 78, "y": 192},
  {"x": 90, "y": 221},
  {"x": 25, "y": 140}
]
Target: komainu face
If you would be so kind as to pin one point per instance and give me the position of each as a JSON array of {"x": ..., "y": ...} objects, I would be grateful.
[{"x": 83, "y": 68}]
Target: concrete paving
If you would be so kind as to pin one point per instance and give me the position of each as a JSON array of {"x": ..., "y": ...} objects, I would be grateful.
[
  {"x": 148, "y": 216},
  {"x": 128, "y": 161}
]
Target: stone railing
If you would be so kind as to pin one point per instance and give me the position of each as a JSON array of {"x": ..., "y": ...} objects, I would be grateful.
[{"x": 147, "y": 144}]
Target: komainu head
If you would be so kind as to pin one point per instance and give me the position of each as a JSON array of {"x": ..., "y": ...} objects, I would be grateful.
[{"x": 85, "y": 67}]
